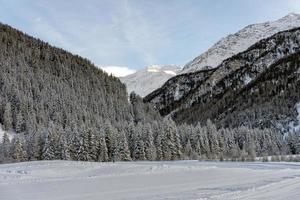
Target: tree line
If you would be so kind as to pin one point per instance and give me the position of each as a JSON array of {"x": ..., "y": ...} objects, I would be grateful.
[{"x": 159, "y": 140}]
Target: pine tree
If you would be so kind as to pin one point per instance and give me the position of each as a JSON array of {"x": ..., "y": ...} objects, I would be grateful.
[
  {"x": 159, "y": 148},
  {"x": 177, "y": 155},
  {"x": 19, "y": 123},
  {"x": 83, "y": 148},
  {"x": 66, "y": 148},
  {"x": 139, "y": 147},
  {"x": 150, "y": 151},
  {"x": 52, "y": 147},
  {"x": 293, "y": 141},
  {"x": 49, "y": 148},
  {"x": 204, "y": 142},
  {"x": 130, "y": 132},
  {"x": 197, "y": 150},
  {"x": 7, "y": 117},
  {"x": 123, "y": 150},
  {"x": 31, "y": 123},
  {"x": 18, "y": 152},
  {"x": 75, "y": 145},
  {"x": 170, "y": 141},
  {"x": 92, "y": 145},
  {"x": 212, "y": 139},
  {"x": 5, "y": 147},
  {"x": 188, "y": 152},
  {"x": 110, "y": 139},
  {"x": 102, "y": 155}
]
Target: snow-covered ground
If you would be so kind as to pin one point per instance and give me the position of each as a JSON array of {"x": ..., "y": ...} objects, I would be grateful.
[{"x": 67, "y": 180}]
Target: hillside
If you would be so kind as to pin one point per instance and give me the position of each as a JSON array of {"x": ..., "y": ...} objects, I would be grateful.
[
  {"x": 239, "y": 42},
  {"x": 41, "y": 84},
  {"x": 258, "y": 87}
]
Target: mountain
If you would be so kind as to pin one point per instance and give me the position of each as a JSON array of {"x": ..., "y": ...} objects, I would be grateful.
[
  {"x": 258, "y": 87},
  {"x": 145, "y": 81},
  {"x": 239, "y": 42},
  {"x": 59, "y": 106}
]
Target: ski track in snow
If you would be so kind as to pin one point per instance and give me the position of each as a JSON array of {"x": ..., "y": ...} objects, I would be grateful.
[{"x": 66, "y": 180}]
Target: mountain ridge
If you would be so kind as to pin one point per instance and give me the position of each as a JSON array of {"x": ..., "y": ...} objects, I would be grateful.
[
  {"x": 240, "y": 41},
  {"x": 186, "y": 93}
]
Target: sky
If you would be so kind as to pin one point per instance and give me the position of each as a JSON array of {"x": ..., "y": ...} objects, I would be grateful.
[{"x": 122, "y": 36}]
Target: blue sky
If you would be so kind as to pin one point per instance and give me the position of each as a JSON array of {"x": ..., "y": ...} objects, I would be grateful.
[{"x": 136, "y": 33}]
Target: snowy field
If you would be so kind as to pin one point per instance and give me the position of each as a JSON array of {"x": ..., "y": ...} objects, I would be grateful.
[{"x": 67, "y": 180}]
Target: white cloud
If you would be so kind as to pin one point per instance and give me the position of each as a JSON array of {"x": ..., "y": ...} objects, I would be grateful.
[{"x": 118, "y": 71}]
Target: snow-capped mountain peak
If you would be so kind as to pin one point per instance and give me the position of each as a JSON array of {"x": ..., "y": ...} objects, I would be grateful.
[
  {"x": 154, "y": 68},
  {"x": 146, "y": 80},
  {"x": 240, "y": 41}
]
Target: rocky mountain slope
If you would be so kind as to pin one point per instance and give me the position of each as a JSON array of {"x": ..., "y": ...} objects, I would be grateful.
[
  {"x": 240, "y": 41},
  {"x": 147, "y": 80},
  {"x": 258, "y": 87}
]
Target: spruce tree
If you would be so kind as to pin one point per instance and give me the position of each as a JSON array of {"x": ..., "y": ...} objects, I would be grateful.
[
  {"x": 18, "y": 152},
  {"x": 7, "y": 117},
  {"x": 123, "y": 150},
  {"x": 102, "y": 154},
  {"x": 5, "y": 147},
  {"x": 149, "y": 148}
]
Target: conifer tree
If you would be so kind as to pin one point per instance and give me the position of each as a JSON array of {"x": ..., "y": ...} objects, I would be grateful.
[
  {"x": 139, "y": 147},
  {"x": 102, "y": 154},
  {"x": 18, "y": 152},
  {"x": 123, "y": 150},
  {"x": 7, "y": 117},
  {"x": 19, "y": 123},
  {"x": 110, "y": 139},
  {"x": 150, "y": 151},
  {"x": 5, "y": 147}
]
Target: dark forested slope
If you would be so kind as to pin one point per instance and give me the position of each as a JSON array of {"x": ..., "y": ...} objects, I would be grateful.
[
  {"x": 259, "y": 87},
  {"x": 39, "y": 84}
]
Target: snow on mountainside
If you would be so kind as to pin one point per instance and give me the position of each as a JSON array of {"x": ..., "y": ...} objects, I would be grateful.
[
  {"x": 240, "y": 41},
  {"x": 147, "y": 80}
]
